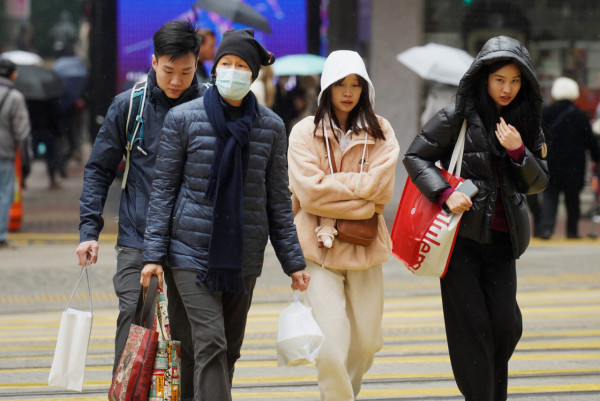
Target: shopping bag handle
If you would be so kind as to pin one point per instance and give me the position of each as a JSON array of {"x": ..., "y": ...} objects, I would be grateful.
[
  {"x": 457, "y": 154},
  {"x": 85, "y": 269},
  {"x": 161, "y": 322},
  {"x": 144, "y": 312}
]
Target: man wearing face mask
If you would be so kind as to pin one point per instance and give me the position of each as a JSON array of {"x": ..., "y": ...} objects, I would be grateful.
[{"x": 220, "y": 192}]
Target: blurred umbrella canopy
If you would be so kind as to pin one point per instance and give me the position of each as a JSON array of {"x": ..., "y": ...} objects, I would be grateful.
[
  {"x": 21, "y": 57},
  {"x": 236, "y": 11},
  {"x": 38, "y": 83},
  {"x": 299, "y": 64},
  {"x": 437, "y": 62}
]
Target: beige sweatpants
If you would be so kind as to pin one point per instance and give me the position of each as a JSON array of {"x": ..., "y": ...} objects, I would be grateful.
[{"x": 348, "y": 306}]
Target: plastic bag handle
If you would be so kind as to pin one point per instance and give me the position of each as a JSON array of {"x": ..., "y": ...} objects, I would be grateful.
[{"x": 85, "y": 269}]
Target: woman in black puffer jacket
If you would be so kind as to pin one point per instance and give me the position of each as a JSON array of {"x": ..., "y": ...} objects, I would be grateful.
[{"x": 500, "y": 98}]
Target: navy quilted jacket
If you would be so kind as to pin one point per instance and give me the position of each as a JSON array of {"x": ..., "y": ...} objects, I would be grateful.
[
  {"x": 180, "y": 218},
  {"x": 107, "y": 153}
]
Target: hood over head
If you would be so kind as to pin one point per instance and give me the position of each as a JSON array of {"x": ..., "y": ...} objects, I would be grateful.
[
  {"x": 499, "y": 48},
  {"x": 340, "y": 64}
]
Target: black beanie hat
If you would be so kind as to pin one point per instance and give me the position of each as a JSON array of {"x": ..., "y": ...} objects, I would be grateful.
[
  {"x": 241, "y": 43},
  {"x": 7, "y": 67}
]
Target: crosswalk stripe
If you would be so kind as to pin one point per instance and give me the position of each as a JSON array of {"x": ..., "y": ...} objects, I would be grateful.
[{"x": 414, "y": 336}]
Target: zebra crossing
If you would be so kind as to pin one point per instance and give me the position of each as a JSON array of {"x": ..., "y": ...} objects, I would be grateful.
[{"x": 558, "y": 356}]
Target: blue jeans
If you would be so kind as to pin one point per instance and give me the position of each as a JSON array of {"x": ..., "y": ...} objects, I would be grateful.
[{"x": 7, "y": 188}]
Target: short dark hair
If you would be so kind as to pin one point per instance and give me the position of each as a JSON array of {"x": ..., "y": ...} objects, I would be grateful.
[
  {"x": 7, "y": 67},
  {"x": 176, "y": 38}
]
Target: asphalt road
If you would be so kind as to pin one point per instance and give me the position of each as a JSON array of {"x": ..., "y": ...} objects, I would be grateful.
[{"x": 558, "y": 357}]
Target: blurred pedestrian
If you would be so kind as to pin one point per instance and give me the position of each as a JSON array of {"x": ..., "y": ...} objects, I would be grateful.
[
  {"x": 263, "y": 87},
  {"x": 44, "y": 116},
  {"x": 73, "y": 75},
  {"x": 170, "y": 82},
  {"x": 341, "y": 166},
  {"x": 14, "y": 131},
  {"x": 207, "y": 53},
  {"x": 570, "y": 136},
  {"x": 220, "y": 193},
  {"x": 500, "y": 98}
]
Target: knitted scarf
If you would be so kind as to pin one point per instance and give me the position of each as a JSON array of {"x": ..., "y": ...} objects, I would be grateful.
[{"x": 225, "y": 190}]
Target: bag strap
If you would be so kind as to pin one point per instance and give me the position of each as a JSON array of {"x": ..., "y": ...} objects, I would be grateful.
[
  {"x": 144, "y": 312},
  {"x": 85, "y": 269},
  {"x": 5, "y": 96},
  {"x": 162, "y": 317},
  {"x": 134, "y": 125},
  {"x": 457, "y": 154}
]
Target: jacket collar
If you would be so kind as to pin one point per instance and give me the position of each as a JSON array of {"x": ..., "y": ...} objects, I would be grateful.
[{"x": 159, "y": 95}]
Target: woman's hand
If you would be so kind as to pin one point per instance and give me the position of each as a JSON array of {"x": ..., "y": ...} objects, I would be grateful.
[
  {"x": 150, "y": 270},
  {"x": 508, "y": 135},
  {"x": 458, "y": 202}
]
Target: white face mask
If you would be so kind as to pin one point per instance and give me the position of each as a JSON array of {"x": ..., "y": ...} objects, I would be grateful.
[{"x": 232, "y": 83}]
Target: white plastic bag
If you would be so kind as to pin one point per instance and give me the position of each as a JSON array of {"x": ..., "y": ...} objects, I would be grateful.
[
  {"x": 299, "y": 337},
  {"x": 68, "y": 365}
]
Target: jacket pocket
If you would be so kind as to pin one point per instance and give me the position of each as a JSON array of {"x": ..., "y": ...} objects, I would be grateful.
[
  {"x": 177, "y": 213},
  {"x": 520, "y": 217}
]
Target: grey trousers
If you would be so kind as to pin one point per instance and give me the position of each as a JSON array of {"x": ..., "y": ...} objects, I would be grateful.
[
  {"x": 126, "y": 282},
  {"x": 218, "y": 323}
]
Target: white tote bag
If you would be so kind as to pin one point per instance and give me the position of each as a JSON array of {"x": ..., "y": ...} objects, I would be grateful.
[
  {"x": 299, "y": 337},
  {"x": 70, "y": 354}
]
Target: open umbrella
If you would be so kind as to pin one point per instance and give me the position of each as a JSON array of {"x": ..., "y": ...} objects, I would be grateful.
[
  {"x": 437, "y": 62},
  {"x": 236, "y": 11},
  {"x": 38, "y": 83},
  {"x": 21, "y": 57},
  {"x": 299, "y": 64}
]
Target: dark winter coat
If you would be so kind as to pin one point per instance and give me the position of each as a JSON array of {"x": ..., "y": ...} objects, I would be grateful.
[
  {"x": 436, "y": 142},
  {"x": 107, "y": 153},
  {"x": 569, "y": 136},
  {"x": 180, "y": 217}
]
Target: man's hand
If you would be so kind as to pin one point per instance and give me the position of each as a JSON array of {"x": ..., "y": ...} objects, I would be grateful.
[
  {"x": 87, "y": 250},
  {"x": 150, "y": 270},
  {"x": 300, "y": 280}
]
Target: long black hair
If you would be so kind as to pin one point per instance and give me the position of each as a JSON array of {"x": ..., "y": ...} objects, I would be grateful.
[
  {"x": 521, "y": 112},
  {"x": 361, "y": 115}
]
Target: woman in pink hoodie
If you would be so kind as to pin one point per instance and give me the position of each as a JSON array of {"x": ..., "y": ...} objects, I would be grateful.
[{"x": 342, "y": 165}]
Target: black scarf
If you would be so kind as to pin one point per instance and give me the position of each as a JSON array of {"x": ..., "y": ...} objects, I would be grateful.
[{"x": 225, "y": 189}]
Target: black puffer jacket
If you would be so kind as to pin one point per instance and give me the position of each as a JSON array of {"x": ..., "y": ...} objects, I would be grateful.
[
  {"x": 436, "y": 142},
  {"x": 180, "y": 218},
  {"x": 107, "y": 153}
]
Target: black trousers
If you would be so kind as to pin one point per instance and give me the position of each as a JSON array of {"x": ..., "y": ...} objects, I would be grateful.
[
  {"x": 550, "y": 206},
  {"x": 218, "y": 323},
  {"x": 482, "y": 318}
]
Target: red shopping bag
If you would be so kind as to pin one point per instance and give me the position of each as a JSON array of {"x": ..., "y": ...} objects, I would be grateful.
[
  {"x": 132, "y": 380},
  {"x": 423, "y": 234}
]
